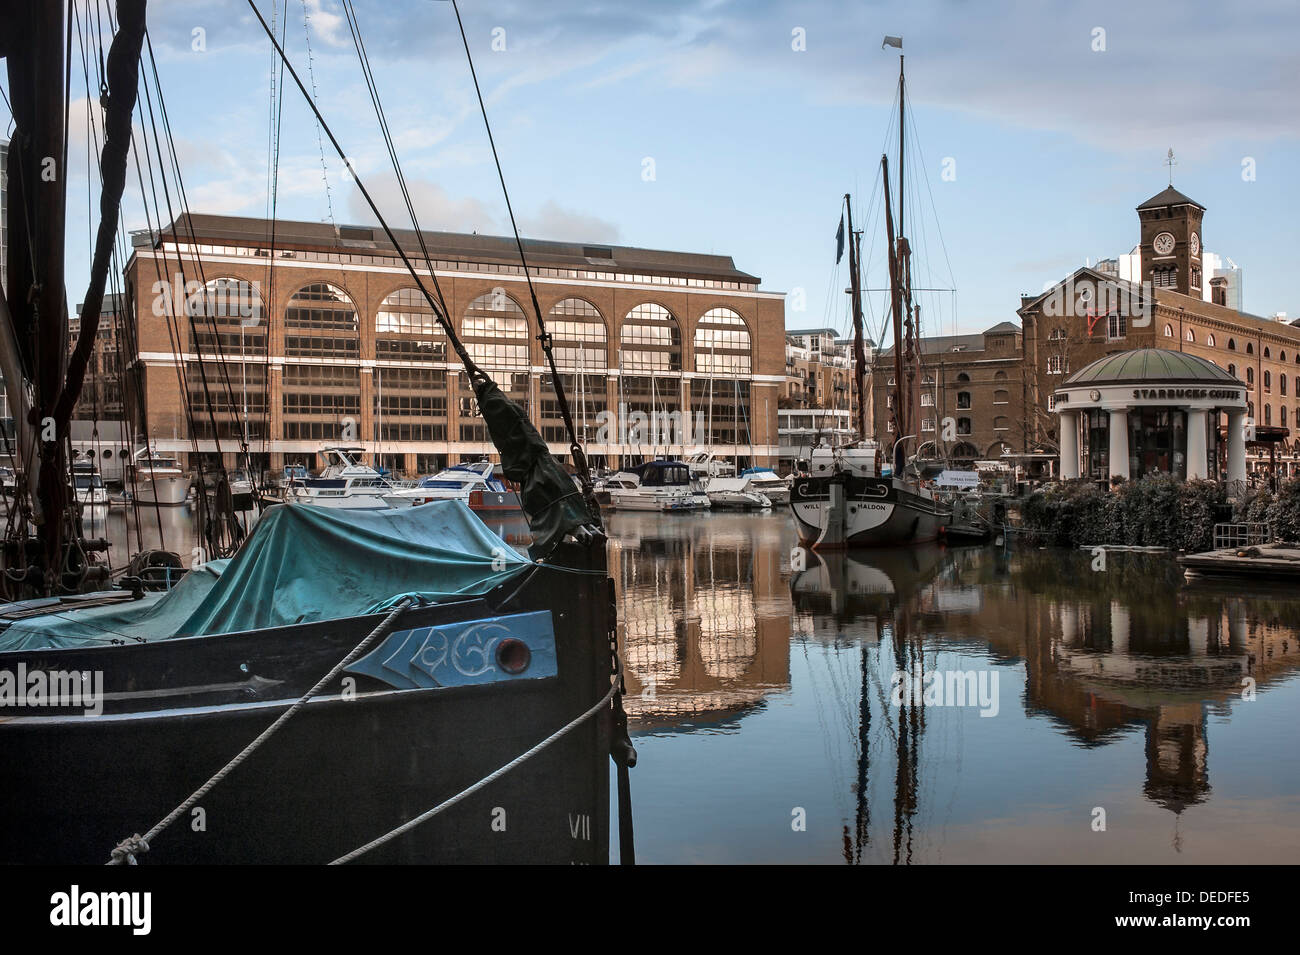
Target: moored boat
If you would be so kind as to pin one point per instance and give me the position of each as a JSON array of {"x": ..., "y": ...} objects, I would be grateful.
[
  {"x": 157, "y": 479},
  {"x": 476, "y": 484},
  {"x": 346, "y": 482},
  {"x": 655, "y": 486}
]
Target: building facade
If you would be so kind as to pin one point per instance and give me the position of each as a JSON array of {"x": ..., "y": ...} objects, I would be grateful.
[
  {"x": 101, "y": 392},
  {"x": 311, "y": 335},
  {"x": 1093, "y": 313},
  {"x": 972, "y": 396}
]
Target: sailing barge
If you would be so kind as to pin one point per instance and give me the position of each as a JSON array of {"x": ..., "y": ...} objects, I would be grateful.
[
  {"x": 478, "y": 672},
  {"x": 391, "y": 660},
  {"x": 848, "y": 501}
]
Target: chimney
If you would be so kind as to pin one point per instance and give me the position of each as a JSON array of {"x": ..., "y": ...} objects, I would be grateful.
[{"x": 1219, "y": 291}]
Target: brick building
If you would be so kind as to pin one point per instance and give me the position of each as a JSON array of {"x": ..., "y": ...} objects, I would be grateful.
[
  {"x": 317, "y": 335},
  {"x": 1093, "y": 313},
  {"x": 101, "y": 392},
  {"x": 976, "y": 382}
]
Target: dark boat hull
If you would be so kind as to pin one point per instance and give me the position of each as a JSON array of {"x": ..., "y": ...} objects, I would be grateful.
[
  {"x": 341, "y": 772},
  {"x": 845, "y": 510}
]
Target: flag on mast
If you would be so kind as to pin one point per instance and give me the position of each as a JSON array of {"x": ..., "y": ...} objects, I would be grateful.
[
  {"x": 894, "y": 41},
  {"x": 839, "y": 241}
]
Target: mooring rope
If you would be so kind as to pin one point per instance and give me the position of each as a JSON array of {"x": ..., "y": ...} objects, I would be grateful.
[
  {"x": 486, "y": 780},
  {"x": 127, "y": 850}
]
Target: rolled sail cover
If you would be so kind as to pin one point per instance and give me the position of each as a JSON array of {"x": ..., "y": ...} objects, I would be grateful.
[{"x": 552, "y": 502}]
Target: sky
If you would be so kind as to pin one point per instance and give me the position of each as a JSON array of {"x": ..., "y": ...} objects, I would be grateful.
[{"x": 736, "y": 128}]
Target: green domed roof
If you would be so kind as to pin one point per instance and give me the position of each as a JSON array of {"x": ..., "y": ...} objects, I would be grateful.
[{"x": 1151, "y": 364}]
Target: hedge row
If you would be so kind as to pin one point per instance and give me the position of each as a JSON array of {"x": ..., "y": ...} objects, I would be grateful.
[{"x": 1156, "y": 511}]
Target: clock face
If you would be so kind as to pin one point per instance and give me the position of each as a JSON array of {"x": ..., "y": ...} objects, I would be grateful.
[
  {"x": 1164, "y": 243},
  {"x": 1195, "y": 244}
]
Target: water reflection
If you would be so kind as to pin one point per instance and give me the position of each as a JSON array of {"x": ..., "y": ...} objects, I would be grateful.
[
  {"x": 1117, "y": 690},
  {"x": 704, "y": 619}
]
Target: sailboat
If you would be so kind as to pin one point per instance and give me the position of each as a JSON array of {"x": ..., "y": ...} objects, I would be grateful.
[
  {"x": 376, "y": 684},
  {"x": 847, "y": 500}
]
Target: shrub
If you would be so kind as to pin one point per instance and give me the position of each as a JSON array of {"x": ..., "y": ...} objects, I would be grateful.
[{"x": 1156, "y": 511}]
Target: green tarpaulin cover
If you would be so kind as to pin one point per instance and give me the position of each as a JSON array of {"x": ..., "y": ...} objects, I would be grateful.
[{"x": 301, "y": 563}]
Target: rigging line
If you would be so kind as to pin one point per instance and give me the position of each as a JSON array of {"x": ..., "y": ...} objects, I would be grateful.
[
  {"x": 222, "y": 364},
  {"x": 185, "y": 306},
  {"x": 543, "y": 336},
  {"x": 311, "y": 72},
  {"x": 273, "y": 160},
  {"x": 92, "y": 153},
  {"x": 441, "y": 315},
  {"x": 150, "y": 222},
  {"x": 373, "y": 87}
]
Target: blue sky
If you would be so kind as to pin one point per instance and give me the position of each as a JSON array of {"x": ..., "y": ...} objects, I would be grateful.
[{"x": 754, "y": 142}]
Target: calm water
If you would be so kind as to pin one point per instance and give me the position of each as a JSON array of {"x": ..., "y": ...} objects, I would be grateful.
[{"x": 763, "y": 697}]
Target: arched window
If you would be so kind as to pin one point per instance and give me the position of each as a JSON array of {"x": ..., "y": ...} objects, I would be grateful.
[
  {"x": 1232, "y": 344},
  {"x": 581, "y": 347},
  {"x": 1268, "y": 380},
  {"x": 1190, "y": 335},
  {"x": 1250, "y": 409},
  {"x": 965, "y": 451},
  {"x": 1169, "y": 331},
  {"x": 722, "y": 343},
  {"x": 1210, "y": 341},
  {"x": 1001, "y": 424},
  {"x": 1001, "y": 397},
  {"x": 580, "y": 336},
  {"x": 320, "y": 322},
  {"x": 1281, "y": 415},
  {"x": 1268, "y": 352},
  {"x": 1281, "y": 385},
  {"x": 1268, "y": 414},
  {"x": 1000, "y": 376},
  {"x": 318, "y": 399},
  {"x": 227, "y": 322},
  {"x": 1281, "y": 356},
  {"x": 410, "y": 403},
  {"x": 962, "y": 377},
  {"x": 1250, "y": 376},
  {"x": 1250, "y": 348},
  {"x": 229, "y": 317},
  {"x": 495, "y": 331},
  {"x": 1232, "y": 369},
  {"x": 650, "y": 340},
  {"x": 406, "y": 330}
]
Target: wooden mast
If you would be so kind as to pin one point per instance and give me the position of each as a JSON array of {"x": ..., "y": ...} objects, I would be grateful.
[
  {"x": 859, "y": 349},
  {"x": 36, "y": 297},
  {"x": 901, "y": 394}
]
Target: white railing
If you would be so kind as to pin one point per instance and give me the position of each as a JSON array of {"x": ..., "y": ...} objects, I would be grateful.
[{"x": 1241, "y": 535}]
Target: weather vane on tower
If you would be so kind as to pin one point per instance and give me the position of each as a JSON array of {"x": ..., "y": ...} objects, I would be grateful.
[{"x": 1171, "y": 162}]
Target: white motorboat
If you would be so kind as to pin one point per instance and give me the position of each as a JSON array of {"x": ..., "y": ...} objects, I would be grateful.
[
  {"x": 155, "y": 479},
  {"x": 87, "y": 483},
  {"x": 346, "y": 482},
  {"x": 765, "y": 481},
  {"x": 734, "y": 493},
  {"x": 655, "y": 486},
  {"x": 476, "y": 484}
]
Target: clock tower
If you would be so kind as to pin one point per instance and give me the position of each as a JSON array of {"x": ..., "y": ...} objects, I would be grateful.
[{"x": 1171, "y": 242}]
